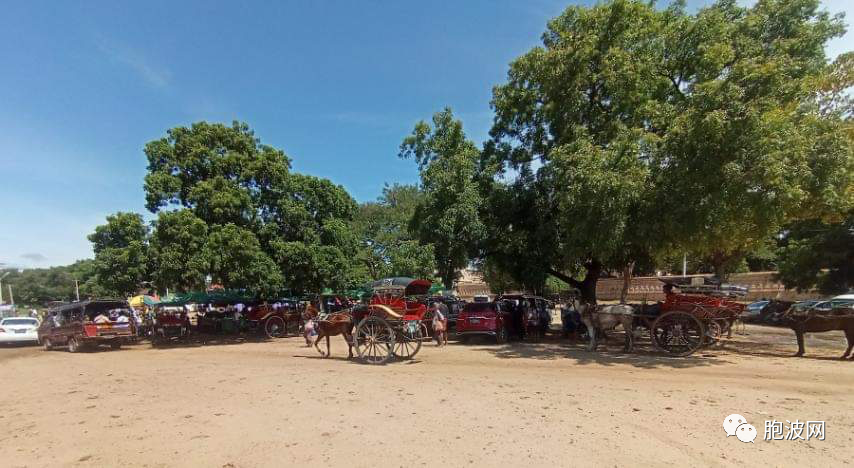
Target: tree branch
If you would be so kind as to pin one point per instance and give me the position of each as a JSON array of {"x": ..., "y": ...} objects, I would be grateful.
[{"x": 565, "y": 278}]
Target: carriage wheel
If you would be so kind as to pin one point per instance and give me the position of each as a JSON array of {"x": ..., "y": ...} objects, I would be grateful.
[
  {"x": 274, "y": 327},
  {"x": 374, "y": 340},
  {"x": 677, "y": 333},
  {"x": 408, "y": 340}
]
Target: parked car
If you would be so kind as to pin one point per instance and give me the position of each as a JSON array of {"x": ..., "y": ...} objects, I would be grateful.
[
  {"x": 87, "y": 324},
  {"x": 842, "y": 302},
  {"x": 485, "y": 318},
  {"x": 753, "y": 310},
  {"x": 19, "y": 330}
]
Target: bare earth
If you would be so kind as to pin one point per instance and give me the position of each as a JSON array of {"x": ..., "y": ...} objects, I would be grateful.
[{"x": 278, "y": 404}]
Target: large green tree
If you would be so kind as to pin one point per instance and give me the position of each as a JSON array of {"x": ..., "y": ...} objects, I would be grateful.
[
  {"x": 121, "y": 253},
  {"x": 389, "y": 247},
  {"x": 448, "y": 216},
  {"x": 572, "y": 124},
  {"x": 245, "y": 218},
  {"x": 637, "y": 132},
  {"x": 744, "y": 146},
  {"x": 178, "y": 255}
]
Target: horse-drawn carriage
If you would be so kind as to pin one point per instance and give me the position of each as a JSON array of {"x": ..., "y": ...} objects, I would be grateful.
[
  {"x": 279, "y": 319},
  {"x": 697, "y": 316},
  {"x": 166, "y": 322},
  {"x": 392, "y": 324}
]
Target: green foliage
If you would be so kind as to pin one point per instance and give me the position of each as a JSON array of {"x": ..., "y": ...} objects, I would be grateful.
[
  {"x": 38, "y": 286},
  {"x": 246, "y": 219},
  {"x": 223, "y": 173},
  {"x": 741, "y": 137},
  {"x": 634, "y": 132},
  {"x": 448, "y": 216},
  {"x": 819, "y": 255},
  {"x": 178, "y": 252},
  {"x": 388, "y": 248},
  {"x": 572, "y": 120},
  {"x": 238, "y": 262},
  {"x": 121, "y": 253}
]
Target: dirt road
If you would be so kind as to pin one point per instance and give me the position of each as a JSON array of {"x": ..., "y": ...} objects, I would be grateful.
[{"x": 278, "y": 404}]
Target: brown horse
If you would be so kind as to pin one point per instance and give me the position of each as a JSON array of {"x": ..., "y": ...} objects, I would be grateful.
[
  {"x": 339, "y": 323},
  {"x": 811, "y": 322}
]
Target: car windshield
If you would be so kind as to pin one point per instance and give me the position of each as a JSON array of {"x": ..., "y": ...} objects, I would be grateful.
[
  {"x": 21, "y": 321},
  {"x": 479, "y": 307}
]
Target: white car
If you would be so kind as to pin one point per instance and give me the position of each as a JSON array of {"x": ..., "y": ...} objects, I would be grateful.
[{"x": 19, "y": 330}]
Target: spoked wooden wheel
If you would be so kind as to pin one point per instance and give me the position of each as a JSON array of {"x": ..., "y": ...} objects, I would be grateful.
[
  {"x": 374, "y": 340},
  {"x": 677, "y": 333},
  {"x": 408, "y": 340},
  {"x": 274, "y": 327}
]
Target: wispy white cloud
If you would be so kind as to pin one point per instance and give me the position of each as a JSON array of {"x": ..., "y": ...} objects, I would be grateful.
[{"x": 123, "y": 54}]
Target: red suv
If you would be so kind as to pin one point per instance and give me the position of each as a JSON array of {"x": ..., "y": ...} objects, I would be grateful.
[{"x": 484, "y": 318}]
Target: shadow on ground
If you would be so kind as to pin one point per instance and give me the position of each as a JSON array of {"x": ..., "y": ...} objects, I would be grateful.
[{"x": 608, "y": 354}]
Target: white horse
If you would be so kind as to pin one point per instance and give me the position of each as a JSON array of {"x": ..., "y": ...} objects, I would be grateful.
[{"x": 606, "y": 318}]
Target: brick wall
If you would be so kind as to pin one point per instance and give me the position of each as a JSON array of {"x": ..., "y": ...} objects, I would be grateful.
[{"x": 761, "y": 285}]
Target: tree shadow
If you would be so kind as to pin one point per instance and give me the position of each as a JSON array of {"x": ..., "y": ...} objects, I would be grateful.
[
  {"x": 197, "y": 340},
  {"x": 608, "y": 354},
  {"x": 763, "y": 349}
]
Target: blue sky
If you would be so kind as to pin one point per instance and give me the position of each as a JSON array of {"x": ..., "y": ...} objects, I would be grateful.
[{"x": 336, "y": 85}]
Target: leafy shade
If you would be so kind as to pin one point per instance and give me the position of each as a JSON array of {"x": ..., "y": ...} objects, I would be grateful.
[
  {"x": 178, "y": 250},
  {"x": 388, "y": 247},
  {"x": 121, "y": 253},
  {"x": 244, "y": 217},
  {"x": 819, "y": 255},
  {"x": 448, "y": 216}
]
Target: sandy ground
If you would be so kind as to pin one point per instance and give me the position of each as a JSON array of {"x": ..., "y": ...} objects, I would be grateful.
[{"x": 535, "y": 404}]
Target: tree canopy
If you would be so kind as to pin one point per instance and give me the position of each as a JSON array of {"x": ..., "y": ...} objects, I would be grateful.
[
  {"x": 448, "y": 215},
  {"x": 39, "y": 286},
  {"x": 820, "y": 255},
  {"x": 633, "y": 132},
  {"x": 121, "y": 253},
  {"x": 230, "y": 210},
  {"x": 389, "y": 247}
]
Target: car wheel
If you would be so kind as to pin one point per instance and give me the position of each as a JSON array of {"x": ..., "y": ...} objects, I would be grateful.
[
  {"x": 73, "y": 345},
  {"x": 48, "y": 346}
]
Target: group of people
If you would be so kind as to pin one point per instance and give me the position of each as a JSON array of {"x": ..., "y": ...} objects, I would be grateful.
[{"x": 112, "y": 316}]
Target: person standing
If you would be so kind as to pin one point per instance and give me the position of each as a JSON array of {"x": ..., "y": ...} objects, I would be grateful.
[{"x": 440, "y": 325}]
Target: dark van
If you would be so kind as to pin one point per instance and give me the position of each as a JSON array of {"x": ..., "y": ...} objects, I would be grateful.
[{"x": 87, "y": 324}]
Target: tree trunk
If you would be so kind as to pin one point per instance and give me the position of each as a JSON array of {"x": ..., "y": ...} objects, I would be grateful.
[
  {"x": 719, "y": 265},
  {"x": 586, "y": 287},
  {"x": 448, "y": 276},
  {"x": 627, "y": 279}
]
